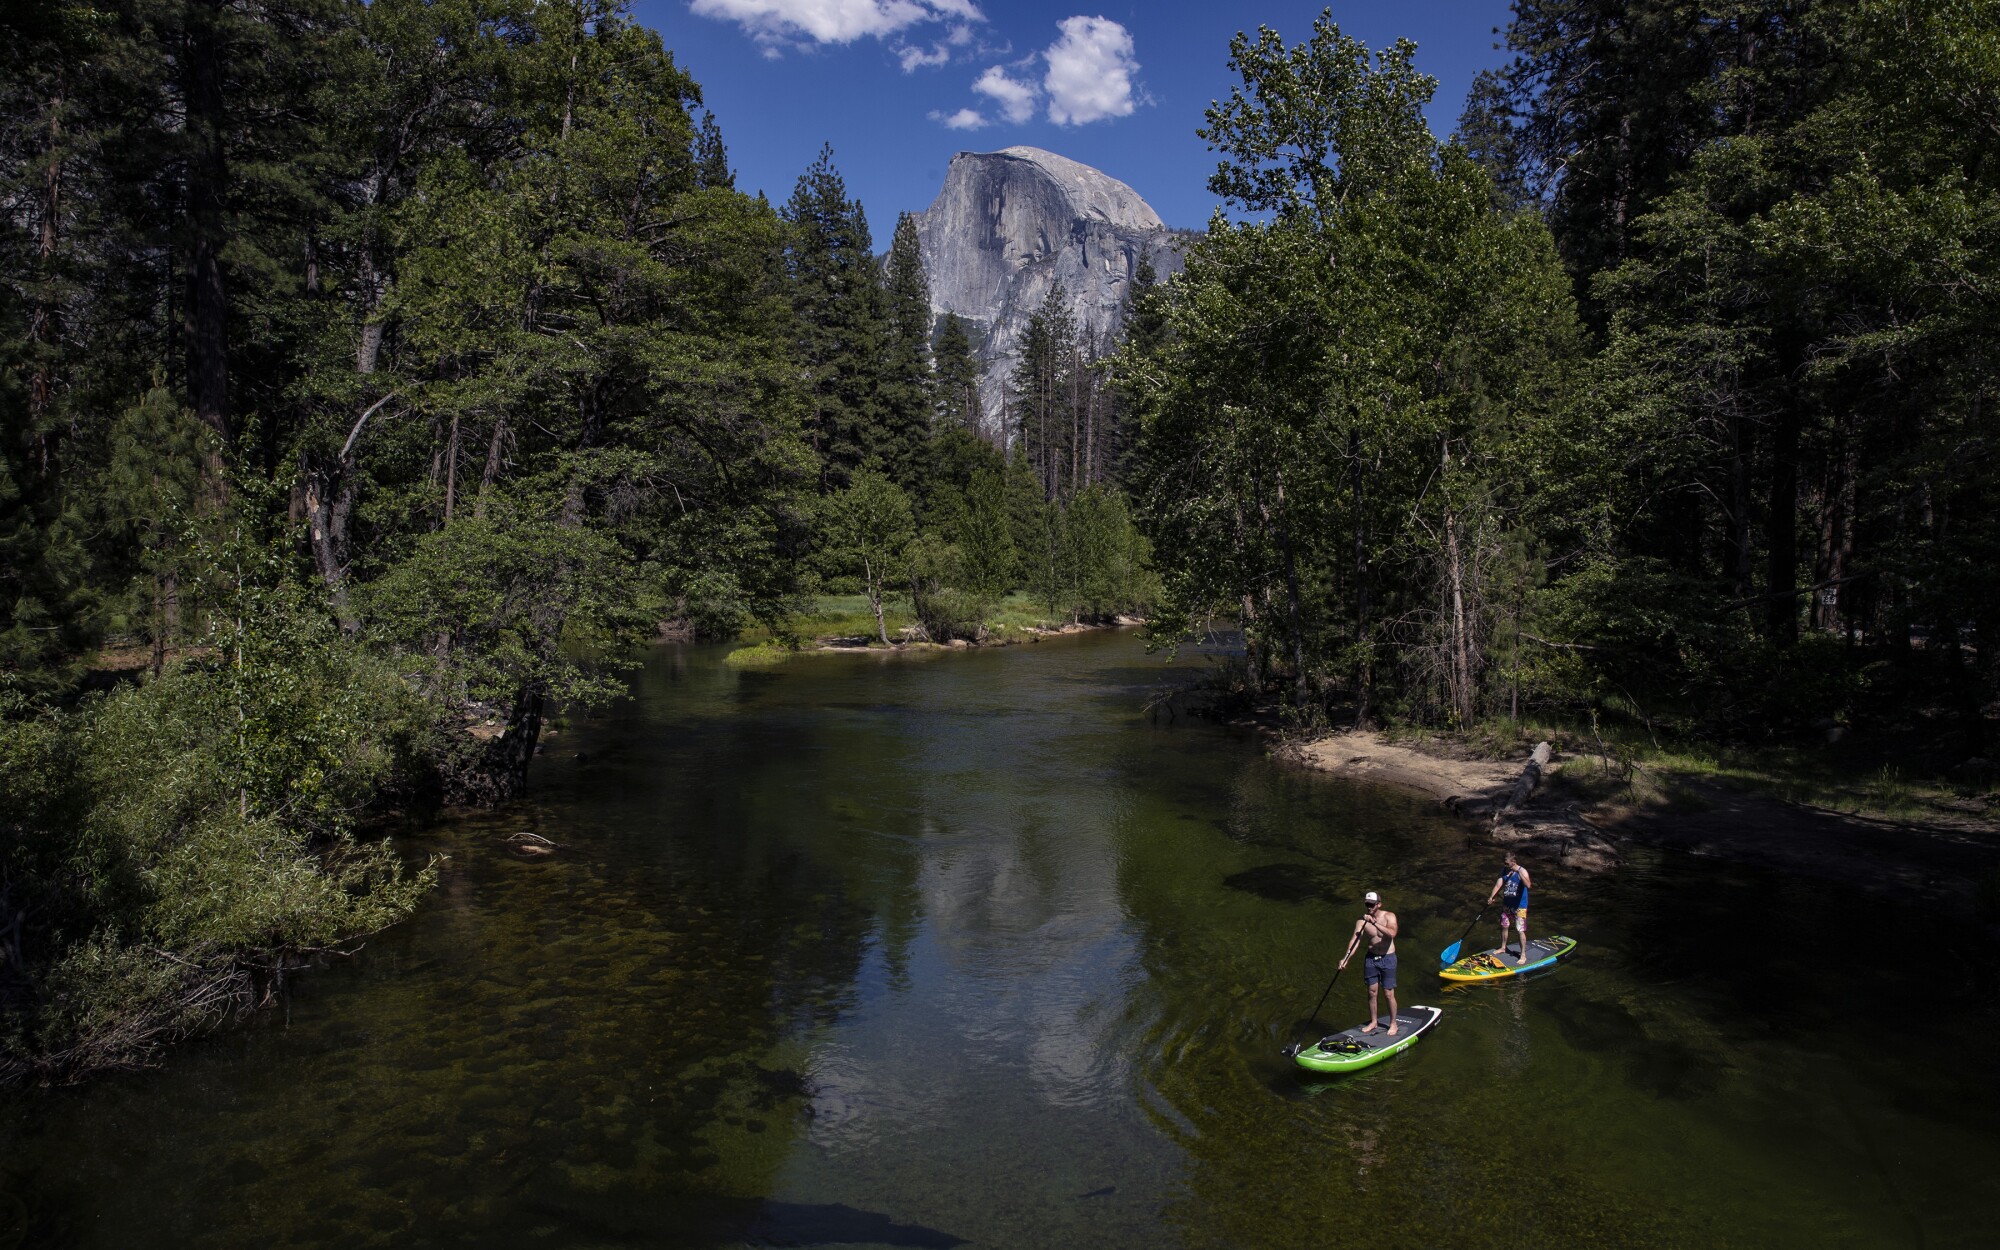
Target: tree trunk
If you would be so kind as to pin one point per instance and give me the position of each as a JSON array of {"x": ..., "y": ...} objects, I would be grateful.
[
  {"x": 1738, "y": 530},
  {"x": 875, "y": 598},
  {"x": 1253, "y": 667},
  {"x": 1363, "y": 670},
  {"x": 1782, "y": 573},
  {"x": 491, "y": 473},
  {"x": 1294, "y": 621},
  {"x": 44, "y": 323},
  {"x": 451, "y": 469},
  {"x": 1459, "y": 641},
  {"x": 329, "y": 502},
  {"x": 1530, "y": 779},
  {"x": 499, "y": 771},
  {"x": 166, "y": 616},
  {"x": 206, "y": 312}
]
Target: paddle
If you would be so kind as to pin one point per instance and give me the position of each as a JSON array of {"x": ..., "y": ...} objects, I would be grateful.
[
  {"x": 1292, "y": 1051},
  {"x": 1451, "y": 952}
]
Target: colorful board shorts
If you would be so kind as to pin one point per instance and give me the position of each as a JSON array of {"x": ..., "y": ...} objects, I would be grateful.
[
  {"x": 1519, "y": 914},
  {"x": 1380, "y": 970}
]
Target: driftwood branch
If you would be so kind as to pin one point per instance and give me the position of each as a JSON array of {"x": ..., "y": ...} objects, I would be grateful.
[
  {"x": 1559, "y": 646},
  {"x": 347, "y": 448}
]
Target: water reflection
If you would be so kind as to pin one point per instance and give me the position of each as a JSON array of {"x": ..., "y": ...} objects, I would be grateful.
[{"x": 966, "y": 951}]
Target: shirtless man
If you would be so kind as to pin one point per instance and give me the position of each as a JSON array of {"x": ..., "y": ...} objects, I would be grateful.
[
  {"x": 1512, "y": 891},
  {"x": 1380, "y": 965}
]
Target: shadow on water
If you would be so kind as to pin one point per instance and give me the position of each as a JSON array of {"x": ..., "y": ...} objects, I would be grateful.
[
  {"x": 701, "y": 1221},
  {"x": 1282, "y": 883}
]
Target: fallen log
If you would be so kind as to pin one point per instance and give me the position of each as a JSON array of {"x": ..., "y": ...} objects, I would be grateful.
[{"x": 1529, "y": 781}]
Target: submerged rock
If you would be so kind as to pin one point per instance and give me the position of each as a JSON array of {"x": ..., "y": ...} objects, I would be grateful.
[{"x": 1008, "y": 226}]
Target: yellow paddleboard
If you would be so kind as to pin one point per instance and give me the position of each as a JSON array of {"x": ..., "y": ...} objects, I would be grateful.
[{"x": 1493, "y": 965}]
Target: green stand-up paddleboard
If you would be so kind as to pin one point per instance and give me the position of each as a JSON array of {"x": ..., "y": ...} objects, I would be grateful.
[{"x": 1353, "y": 1050}]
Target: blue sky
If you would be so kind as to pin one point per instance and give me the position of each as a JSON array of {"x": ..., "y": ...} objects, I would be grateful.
[{"x": 898, "y": 86}]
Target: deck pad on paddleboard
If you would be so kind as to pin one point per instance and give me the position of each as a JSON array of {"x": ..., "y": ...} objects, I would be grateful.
[
  {"x": 1493, "y": 965},
  {"x": 1352, "y": 1049}
]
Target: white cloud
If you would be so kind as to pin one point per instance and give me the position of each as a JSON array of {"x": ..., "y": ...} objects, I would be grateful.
[
  {"x": 1015, "y": 98},
  {"x": 964, "y": 119},
  {"x": 1090, "y": 71},
  {"x": 915, "y": 58},
  {"x": 773, "y": 22}
]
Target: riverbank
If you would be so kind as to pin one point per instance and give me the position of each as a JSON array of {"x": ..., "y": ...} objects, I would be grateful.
[
  {"x": 766, "y": 651},
  {"x": 1588, "y": 806}
]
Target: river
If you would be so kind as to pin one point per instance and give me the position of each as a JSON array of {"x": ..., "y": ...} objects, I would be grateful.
[{"x": 963, "y": 949}]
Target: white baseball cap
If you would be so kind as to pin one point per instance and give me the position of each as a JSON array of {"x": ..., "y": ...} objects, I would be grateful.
[{"x": 1371, "y": 897}]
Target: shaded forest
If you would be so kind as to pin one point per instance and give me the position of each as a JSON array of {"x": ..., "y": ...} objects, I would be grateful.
[
  {"x": 1661, "y": 394},
  {"x": 375, "y": 379}
]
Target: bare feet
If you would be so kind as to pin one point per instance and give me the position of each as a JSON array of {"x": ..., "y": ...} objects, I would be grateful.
[
  {"x": 1523, "y": 959},
  {"x": 1371, "y": 1026},
  {"x": 1392, "y": 1029}
]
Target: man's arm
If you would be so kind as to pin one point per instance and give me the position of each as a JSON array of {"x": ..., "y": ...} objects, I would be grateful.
[
  {"x": 1352, "y": 942},
  {"x": 1389, "y": 925},
  {"x": 1495, "y": 891},
  {"x": 1527, "y": 881}
]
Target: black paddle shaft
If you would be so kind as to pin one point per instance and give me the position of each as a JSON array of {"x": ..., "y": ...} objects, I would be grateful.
[
  {"x": 1314, "y": 1017},
  {"x": 1328, "y": 991},
  {"x": 1475, "y": 921},
  {"x": 1295, "y": 1047}
]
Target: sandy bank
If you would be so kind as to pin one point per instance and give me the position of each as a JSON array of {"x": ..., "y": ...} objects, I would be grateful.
[
  {"x": 766, "y": 654},
  {"x": 1475, "y": 787},
  {"x": 1953, "y": 861}
]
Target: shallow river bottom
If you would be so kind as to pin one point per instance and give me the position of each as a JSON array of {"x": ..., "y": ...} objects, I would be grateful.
[{"x": 964, "y": 950}]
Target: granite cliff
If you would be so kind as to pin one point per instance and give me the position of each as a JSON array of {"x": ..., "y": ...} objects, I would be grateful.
[{"x": 1009, "y": 225}]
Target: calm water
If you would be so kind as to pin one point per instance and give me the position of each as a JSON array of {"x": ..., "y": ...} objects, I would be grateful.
[{"x": 961, "y": 950}]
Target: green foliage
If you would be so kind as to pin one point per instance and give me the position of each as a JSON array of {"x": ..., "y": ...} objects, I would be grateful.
[
  {"x": 1063, "y": 416},
  {"x": 945, "y": 594},
  {"x": 1110, "y": 559},
  {"x": 839, "y": 315},
  {"x": 471, "y": 330},
  {"x": 174, "y": 835},
  {"x": 518, "y": 599},
  {"x": 976, "y": 521},
  {"x": 761, "y": 655},
  {"x": 907, "y": 388},
  {"x": 1339, "y": 409},
  {"x": 959, "y": 406},
  {"x": 866, "y": 528}
]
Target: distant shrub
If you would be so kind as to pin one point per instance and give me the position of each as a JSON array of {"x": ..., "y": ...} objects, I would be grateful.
[{"x": 761, "y": 655}]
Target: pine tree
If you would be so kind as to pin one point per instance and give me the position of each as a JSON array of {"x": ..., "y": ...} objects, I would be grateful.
[
  {"x": 838, "y": 306},
  {"x": 957, "y": 374},
  {"x": 992, "y": 562},
  {"x": 1045, "y": 392},
  {"x": 1145, "y": 326},
  {"x": 907, "y": 389},
  {"x": 1030, "y": 522},
  {"x": 711, "y": 159}
]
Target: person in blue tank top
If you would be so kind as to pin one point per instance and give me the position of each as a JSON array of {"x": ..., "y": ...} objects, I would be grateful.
[{"x": 1512, "y": 891}]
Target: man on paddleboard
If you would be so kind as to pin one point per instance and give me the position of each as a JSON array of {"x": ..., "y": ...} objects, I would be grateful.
[
  {"x": 1512, "y": 891},
  {"x": 1380, "y": 966}
]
